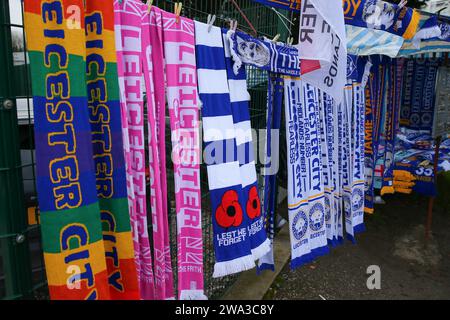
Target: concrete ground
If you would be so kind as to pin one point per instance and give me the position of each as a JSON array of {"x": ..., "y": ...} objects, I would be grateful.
[{"x": 393, "y": 241}]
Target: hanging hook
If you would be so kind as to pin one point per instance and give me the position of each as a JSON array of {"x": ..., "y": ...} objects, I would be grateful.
[
  {"x": 178, "y": 6},
  {"x": 210, "y": 21},
  {"x": 149, "y": 5},
  {"x": 402, "y": 4},
  {"x": 277, "y": 36},
  {"x": 233, "y": 25},
  {"x": 290, "y": 40}
]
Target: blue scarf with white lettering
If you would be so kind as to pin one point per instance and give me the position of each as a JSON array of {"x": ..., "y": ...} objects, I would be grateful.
[
  {"x": 271, "y": 163},
  {"x": 393, "y": 93},
  {"x": 417, "y": 111}
]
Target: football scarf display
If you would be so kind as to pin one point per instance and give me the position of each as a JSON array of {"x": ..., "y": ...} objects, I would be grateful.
[
  {"x": 129, "y": 48},
  {"x": 265, "y": 55},
  {"x": 271, "y": 163},
  {"x": 239, "y": 98},
  {"x": 105, "y": 119},
  {"x": 153, "y": 68},
  {"x": 183, "y": 103},
  {"x": 372, "y": 14},
  {"x": 232, "y": 245},
  {"x": 72, "y": 237},
  {"x": 305, "y": 180}
]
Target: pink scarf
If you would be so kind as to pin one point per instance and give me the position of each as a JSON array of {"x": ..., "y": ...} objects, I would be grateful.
[
  {"x": 154, "y": 74},
  {"x": 182, "y": 97},
  {"x": 128, "y": 45}
]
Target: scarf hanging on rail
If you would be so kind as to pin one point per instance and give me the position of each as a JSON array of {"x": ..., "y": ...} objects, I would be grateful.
[
  {"x": 271, "y": 163},
  {"x": 372, "y": 14},
  {"x": 366, "y": 42},
  {"x": 105, "y": 115},
  {"x": 183, "y": 103},
  {"x": 374, "y": 100},
  {"x": 358, "y": 70},
  {"x": 417, "y": 110},
  {"x": 231, "y": 240},
  {"x": 368, "y": 144},
  {"x": 429, "y": 44},
  {"x": 346, "y": 157},
  {"x": 239, "y": 98},
  {"x": 74, "y": 250},
  {"x": 129, "y": 48},
  {"x": 322, "y": 40},
  {"x": 339, "y": 139},
  {"x": 329, "y": 161},
  {"x": 380, "y": 65},
  {"x": 305, "y": 180},
  {"x": 388, "y": 132},
  {"x": 265, "y": 55},
  {"x": 393, "y": 87},
  {"x": 381, "y": 15},
  {"x": 153, "y": 68}
]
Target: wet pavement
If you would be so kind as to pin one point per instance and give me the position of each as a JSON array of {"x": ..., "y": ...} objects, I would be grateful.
[{"x": 394, "y": 241}]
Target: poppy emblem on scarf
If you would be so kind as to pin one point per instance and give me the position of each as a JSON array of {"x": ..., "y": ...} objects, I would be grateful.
[
  {"x": 357, "y": 199},
  {"x": 229, "y": 212},
  {"x": 253, "y": 203},
  {"x": 316, "y": 217},
  {"x": 299, "y": 225}
]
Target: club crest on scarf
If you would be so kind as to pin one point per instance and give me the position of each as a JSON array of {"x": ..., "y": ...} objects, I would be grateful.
[{"x": 299, "y": 225}]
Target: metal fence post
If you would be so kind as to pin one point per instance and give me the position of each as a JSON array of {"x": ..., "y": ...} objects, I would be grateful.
[{"x": 13, "y": 222}]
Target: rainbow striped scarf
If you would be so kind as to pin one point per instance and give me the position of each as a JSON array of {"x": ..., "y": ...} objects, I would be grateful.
[{"x": 80, "y": 165}]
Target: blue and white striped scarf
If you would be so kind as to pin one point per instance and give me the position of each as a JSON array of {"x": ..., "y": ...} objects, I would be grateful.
[{"x": 231, "y": 239}]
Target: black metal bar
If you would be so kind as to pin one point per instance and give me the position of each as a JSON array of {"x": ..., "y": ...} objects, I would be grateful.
[{"x": 15, "y": 250}]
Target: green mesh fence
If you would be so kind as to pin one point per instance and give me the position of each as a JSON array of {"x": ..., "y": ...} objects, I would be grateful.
[{"x": 22, "y": 269}]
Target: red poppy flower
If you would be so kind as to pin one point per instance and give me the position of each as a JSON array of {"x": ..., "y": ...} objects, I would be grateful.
[
  {"x": 253, "y": 203},
  {"x": 229, "y": 212}
]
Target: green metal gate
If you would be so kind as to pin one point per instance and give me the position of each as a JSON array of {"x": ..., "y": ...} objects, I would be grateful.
[{"x": 22, "y": 270}]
